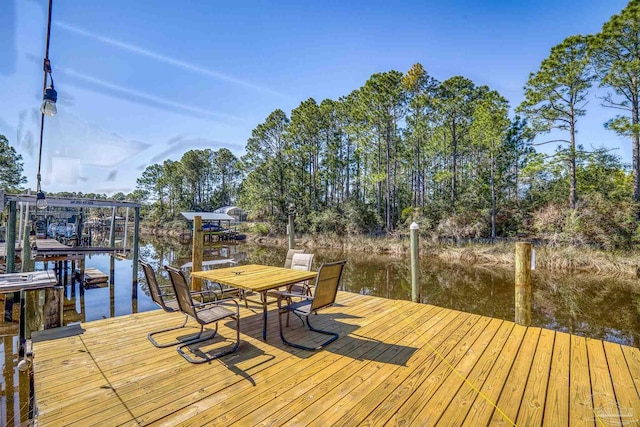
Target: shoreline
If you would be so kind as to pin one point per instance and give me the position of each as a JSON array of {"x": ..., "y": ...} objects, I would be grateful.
[
  {"x": 569, "y": 258},
  {"x": 548, "y": 258}
]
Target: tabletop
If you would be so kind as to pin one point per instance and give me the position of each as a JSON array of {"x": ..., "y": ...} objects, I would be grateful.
[
  {"x": 13, "y": 282},
  {"x": 255, "y": 277}
]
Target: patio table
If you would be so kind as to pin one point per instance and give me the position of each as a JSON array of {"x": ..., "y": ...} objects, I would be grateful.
[{"x": 256, "y": 278}]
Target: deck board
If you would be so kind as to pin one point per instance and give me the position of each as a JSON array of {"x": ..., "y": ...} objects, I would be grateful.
[{"x": 396, "y": 362}]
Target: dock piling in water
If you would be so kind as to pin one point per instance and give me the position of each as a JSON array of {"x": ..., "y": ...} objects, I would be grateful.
[
  {"x": 196, "y": 252},
  {"x": 416, "y": 294},
  {"x": 523, "y": 283}
]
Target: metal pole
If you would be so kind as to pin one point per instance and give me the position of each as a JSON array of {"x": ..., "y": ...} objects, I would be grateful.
[{"x": 415, "y": 264}]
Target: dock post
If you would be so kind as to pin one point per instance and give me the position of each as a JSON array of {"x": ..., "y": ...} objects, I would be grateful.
[
  {"x": 416, "y": 294},
  {"x": 11, "y": 239},
  {"x": 112, "y": 286},
  {"x": 53, "y": 307},
  {"x": 523, "y": 283},
  {"x": 292, "y": 232},
  {"x": 32, "y": 318},
  {"x": 112, "y": 231},
  {"x": 136, "y": 243},
  {"x": 197, "y": 252},
  {"x": 11, "y": 259}
]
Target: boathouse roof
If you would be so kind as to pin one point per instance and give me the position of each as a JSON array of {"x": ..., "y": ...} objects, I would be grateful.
[{"x": 207, "y": 216}]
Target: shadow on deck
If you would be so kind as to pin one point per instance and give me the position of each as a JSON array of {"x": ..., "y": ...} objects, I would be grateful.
[{"x": 396, "y": 362}]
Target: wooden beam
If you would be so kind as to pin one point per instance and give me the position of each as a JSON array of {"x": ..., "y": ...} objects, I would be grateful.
[{"x": 197, "y": 252}]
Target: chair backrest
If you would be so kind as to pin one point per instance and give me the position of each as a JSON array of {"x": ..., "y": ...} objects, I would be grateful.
[
  {"x": 327, "y": 283},
  {"x": 290, "y": 253},
  {"x": 152, "y": 284},
  {"x": 301, "y": 262},
  {"x": 180, "y": 287}
]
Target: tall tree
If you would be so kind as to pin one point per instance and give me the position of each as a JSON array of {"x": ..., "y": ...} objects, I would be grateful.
[
  {"x": 420, "y": 87},
  {"x": 306, "y": 144},
  {"x": 226, "y": 174},
  {"x": 555, "y": 96},
  {"x": 385, "y": 97},
  {"x": 489, "y": 130},
  {"x": 517, "y": 153},
  {"x": 151, "y": 182},
  {"x": 10, "y": 166},
  {"x": 616, "y": 59},
  {"x": 267, "y": 155},
  {"x": 454, "y": 104}
]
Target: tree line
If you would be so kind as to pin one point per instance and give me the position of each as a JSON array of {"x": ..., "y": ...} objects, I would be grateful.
[{"x": 448, "y": 154}]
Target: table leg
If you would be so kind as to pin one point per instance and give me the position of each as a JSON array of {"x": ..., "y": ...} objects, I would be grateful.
[{"x": 264, "y": 314}]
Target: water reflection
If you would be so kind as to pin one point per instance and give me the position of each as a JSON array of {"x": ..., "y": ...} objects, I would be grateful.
[{"x": 592, "y": 306}]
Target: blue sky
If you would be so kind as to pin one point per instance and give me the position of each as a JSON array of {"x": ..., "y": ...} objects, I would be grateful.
[{"x": 140, "y": 82}]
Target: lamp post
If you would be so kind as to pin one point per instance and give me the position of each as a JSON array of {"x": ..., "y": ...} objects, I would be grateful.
[{"x": 48, "y": 108}]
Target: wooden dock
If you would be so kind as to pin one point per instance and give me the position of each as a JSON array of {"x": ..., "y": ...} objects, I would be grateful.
[
  {"x": 52, "y": 250},
  {"x": 396, "y": 363}
]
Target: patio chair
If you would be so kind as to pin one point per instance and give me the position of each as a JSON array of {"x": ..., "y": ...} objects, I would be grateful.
[
  {"x": 204, "y": 314},
  {"x": 324, "y": 295},
  {"x": 299, "y": 261},
  {"x": 166, "y": 301},
  {"x": 289, "y": 258},
  {"x": 287, "y": 264}
]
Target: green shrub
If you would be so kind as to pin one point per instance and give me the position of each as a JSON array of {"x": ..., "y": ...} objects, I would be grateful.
[{"x": 261, "y": 228}]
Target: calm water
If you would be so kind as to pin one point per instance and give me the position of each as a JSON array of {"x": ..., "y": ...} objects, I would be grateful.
[{"x": 598, "y": 307}]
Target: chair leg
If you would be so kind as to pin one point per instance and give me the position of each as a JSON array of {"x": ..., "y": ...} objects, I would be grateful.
[
  {"x": 333, "y": 335},
  {"x": 215, "y": 356},
  {"x": 170, "y": 344},
  {"x": 289, "y": 301}
]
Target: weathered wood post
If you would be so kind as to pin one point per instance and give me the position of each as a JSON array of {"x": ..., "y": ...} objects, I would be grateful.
[
  {"x": 112, "y": 230},
  {"x": 11, "y": 239},
  {"x": 10, "y": 253},
  {"x": 523, "y": 283},
  {"x": 290, "y": 227},
  {"x": 197, "y": 252},
  {"x": 416, "y": 294},
  {"x": 136, "y": 243},
  {"x": 33, "y": 314},
  {"x": 112, "y": 286},
  {"x": 53, "y": 307}
]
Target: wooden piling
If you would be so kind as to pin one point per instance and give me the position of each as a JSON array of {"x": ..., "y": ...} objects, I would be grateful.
[
  {"x": 292, "y": 233},
  {"x": 11, "y": 239},
  {"x": 416, "y": 294},
  {"x": 53, "y": 307},
  {"x": 112, "y": 229},
  {"x": 197, "y": 252},
  {"x": 523, "y": 283},
  {"x": 136, "y": 243}
]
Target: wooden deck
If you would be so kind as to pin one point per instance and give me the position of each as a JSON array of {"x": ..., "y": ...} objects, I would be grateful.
[{"x": 396, "y": 363}]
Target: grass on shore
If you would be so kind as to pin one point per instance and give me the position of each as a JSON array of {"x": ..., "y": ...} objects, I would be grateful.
[
  {"x": 567, "y": 258},
  {"x": 549, "y": 258}
]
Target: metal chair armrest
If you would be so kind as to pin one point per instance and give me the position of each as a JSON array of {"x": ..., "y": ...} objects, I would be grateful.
[
  {"x": 288, "y": 296},
  {"x": 219, "y": 302}
]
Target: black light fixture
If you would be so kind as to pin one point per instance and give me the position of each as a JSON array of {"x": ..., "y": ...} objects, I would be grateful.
[
  {"x": 48, "y": 108},
  {"x": 50, "y": 96},
  {"x": 41, "y": 201}
]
